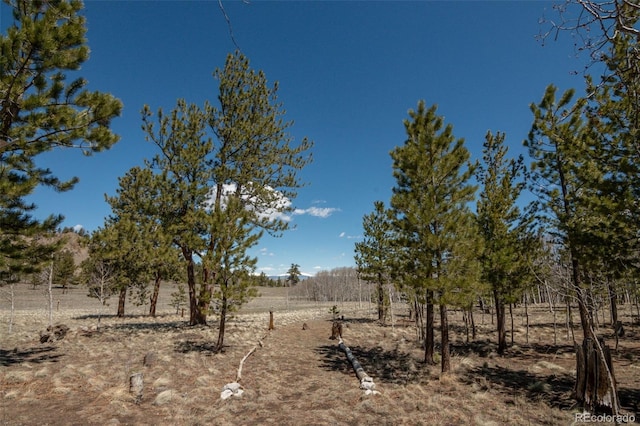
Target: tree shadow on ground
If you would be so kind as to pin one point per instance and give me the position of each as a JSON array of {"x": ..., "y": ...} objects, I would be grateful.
[
  {"x": 156, "y": 326},
  {"x": 485, "y": 348},
  {"x": 203, "y": 347},
  {"x": 33, "y": 355},
  {"x": 554, "y": 389},
  {"x": 629, "y": 400},
  {"x": 348, "y": 320},
  {"x": 386, "y": 366}
]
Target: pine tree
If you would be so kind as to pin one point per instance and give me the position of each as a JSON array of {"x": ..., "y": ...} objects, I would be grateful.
[
  {"x": 64, "y": 269},
  {"x": 181, "y": 179},
  {"x": 211, "y": 158},
  {"x": 430, "y": 201},
  {"x": 230, "y": 266},
  {"x": 122, "y": 247},
  {"x": 564, "y": 174},
  {"x": 41, "y": 111},
  {"x": 556, "y": 145},
  {"x": 374, "y": 255},
  {"x": 500, "y": 222},
  {"x": 136, "y": 200},
  {"x": 293, "y": 274}
]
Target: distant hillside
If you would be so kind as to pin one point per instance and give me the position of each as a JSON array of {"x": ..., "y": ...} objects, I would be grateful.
[{"x": 73, "y": 243}]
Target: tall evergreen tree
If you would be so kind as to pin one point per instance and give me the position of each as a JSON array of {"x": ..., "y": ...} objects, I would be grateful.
[
  {"x": 237, "y": 153},
  {"x": 136, "y": 201},
  {"x": 41, "y": 111},
  {"x": 556, "y": 145},
  {"x": 182, "y": 173},
  {"x": 64, "y": 269},
  {"x": 430, "y": 199},
  {"x": 230, "y": 265},
  {"x": 117, "y": 246},
  {"x": 500, "y": 223},
  {"x": 374, "y": 255},
  {"x": 293, "y": 274},
  {"x": 565, "y": 176}
]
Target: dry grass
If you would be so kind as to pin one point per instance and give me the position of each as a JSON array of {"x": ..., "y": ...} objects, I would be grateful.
[{"x": 297, "y": 377}]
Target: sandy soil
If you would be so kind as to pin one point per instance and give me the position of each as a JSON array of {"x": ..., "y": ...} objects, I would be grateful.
[{"x": 297, "y": 377}]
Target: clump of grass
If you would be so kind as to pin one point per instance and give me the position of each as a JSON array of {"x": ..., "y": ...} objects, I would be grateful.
[
  {"x": 43, "y": 372},
  {"x": 161, "y": 383},
  {"x": 12, "y": 394},
  {"x": 539, "y": 387},
  {"x": 164, "y": 397},
  {"x": 18, "y": 376}
]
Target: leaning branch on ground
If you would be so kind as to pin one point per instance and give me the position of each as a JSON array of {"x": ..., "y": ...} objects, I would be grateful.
[{"x": 235, "y": 388}]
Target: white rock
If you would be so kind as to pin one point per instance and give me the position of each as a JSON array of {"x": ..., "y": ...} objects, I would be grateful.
[
  {"x": 233, "y": 387},
  {"x": 367, "y": 385},
  {"x": 225, "y": 394}
]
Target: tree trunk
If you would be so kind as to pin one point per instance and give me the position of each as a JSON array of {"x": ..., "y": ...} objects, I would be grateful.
[
  {"x": 613, "y": 299},
  {"x": 511, "y": 317},
  {"x": 382, "y": 315},
  {"x": 12, "y": 295},
  {"x": 473, "y": 324},
  {"x": 585, "y": 318},
  {"x": 500, "y": 321},
  {"x": 121, "y": 301},
  {"x": 570, "y": 321},
  {"x": 465, "y": 319},
  {"x": 204, "y": 298},
  {"x": 336, "y": 330},
  {"x": 444, "y": 333},
  {"x": 191, "y": 284},
  {"x": 595, "y": 385},
  {"x": 428, "y": 340},
  {"x": 153, "y": 301},
  {"x": 50, "y": 294},
  {"x": 223, "y": 321}
]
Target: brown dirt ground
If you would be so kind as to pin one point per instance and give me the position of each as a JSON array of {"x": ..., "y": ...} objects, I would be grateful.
[{"x": 297, "y": 377}]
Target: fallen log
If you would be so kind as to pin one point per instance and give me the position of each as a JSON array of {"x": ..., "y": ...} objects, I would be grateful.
[{"x": 366, "y": 382}]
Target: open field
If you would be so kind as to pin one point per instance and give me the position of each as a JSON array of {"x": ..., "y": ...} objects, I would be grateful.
[{"x": 298, "y": 377}]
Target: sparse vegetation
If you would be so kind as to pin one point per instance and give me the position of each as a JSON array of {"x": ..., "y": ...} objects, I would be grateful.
[
  {"x": 86, "y": 374},
  {"x": 225, "y": 174}
]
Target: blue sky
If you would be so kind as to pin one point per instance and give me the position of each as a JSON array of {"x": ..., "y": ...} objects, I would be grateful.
[{"x": 348, "y": 74}]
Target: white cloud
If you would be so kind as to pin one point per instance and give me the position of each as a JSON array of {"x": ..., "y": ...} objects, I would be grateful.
[
  {"x": 349, "y": 237},
  {"x": 265, "y": 252},
  {"x": 78, "y": 228},
  {"x": 270, "y": 205},
  {"x": 323, "y": 212},
  {"x": 271, "y": 208}
]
